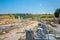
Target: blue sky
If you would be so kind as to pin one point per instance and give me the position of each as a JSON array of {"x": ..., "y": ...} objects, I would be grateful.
[{"x": 29, "y": 6}]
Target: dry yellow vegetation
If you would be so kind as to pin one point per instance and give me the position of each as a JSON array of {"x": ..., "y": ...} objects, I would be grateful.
[{"x": 6, "y": 17}]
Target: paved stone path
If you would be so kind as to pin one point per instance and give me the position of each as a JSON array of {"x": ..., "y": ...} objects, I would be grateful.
[{"x": 15, "y": 34}]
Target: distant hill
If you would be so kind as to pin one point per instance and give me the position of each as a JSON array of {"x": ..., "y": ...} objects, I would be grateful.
[{"x": 26, "y": 15}]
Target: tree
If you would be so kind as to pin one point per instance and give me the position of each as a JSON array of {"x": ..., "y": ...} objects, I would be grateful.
[{"x": 57, "y": 12}]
